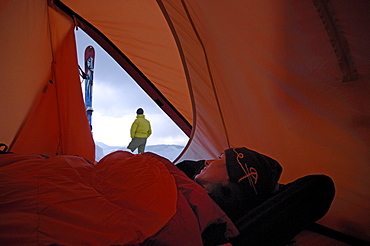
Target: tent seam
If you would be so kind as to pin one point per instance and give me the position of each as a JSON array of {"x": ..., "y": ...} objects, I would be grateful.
[
  {"x": 186, "y": 71},
  {"x": 53, "y": 80},
  {"x": 337, "y": 39},
  {"x": 209, "y": 71}
]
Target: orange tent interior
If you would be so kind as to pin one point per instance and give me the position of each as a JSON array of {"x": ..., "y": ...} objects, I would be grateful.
[{"x": 290, "y": 80}]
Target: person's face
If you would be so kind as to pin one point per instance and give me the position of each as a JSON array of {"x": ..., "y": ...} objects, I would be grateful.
[{"x": 214, "y": 172}]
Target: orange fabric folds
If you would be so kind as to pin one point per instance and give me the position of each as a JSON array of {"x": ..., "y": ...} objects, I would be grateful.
[{"x": 69, "y": 201}]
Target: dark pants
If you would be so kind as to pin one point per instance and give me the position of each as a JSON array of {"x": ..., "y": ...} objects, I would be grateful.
[
  {"x": 137, "y": 143},
  {"x": 283, "y": 216}
]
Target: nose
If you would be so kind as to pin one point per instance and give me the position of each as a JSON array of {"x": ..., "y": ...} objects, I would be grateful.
[{"x": 207, "y": 162}]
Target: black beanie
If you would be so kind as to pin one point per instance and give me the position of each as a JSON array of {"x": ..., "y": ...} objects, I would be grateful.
[
  {"x": 256, "y": 174},
  {"x": 139, "y": 111}
]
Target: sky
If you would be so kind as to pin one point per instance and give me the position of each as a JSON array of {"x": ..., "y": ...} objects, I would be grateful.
[{"x": 115, "y": 99}]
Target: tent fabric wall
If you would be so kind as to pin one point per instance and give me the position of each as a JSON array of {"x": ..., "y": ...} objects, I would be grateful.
[
  {"x": 43, "y": 109},
  {"x": 25, "y": 63},
  {"x": 280, "y": 91},
  {"x": 254, "y": 73}
]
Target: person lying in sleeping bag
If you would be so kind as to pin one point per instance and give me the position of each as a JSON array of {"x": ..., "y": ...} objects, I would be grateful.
[{"x": 244, "y": 183}]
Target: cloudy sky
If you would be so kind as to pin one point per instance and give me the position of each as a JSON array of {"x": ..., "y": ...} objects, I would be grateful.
[{"x": 115, "y": 100}]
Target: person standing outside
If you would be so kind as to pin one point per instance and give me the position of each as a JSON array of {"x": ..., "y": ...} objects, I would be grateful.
[{"x": 140, "y": 131}]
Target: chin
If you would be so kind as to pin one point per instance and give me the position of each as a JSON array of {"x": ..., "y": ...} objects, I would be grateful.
[{"x": 199, "y": 181}]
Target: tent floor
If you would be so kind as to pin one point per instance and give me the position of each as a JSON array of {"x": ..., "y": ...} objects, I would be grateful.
[{"x": 308, "y": 238}]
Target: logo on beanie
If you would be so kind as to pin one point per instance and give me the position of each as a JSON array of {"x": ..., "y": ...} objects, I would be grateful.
[{"x": 250, "y": 172}]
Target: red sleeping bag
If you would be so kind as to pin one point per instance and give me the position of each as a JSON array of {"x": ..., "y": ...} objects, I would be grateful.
[{"x": 123, "y": 199}]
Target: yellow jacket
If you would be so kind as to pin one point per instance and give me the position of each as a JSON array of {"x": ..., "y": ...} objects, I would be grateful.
[{"x": 141, "y": 127}]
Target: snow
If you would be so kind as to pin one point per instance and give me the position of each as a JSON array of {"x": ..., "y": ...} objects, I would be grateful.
[{"x": 170, "y": 152}]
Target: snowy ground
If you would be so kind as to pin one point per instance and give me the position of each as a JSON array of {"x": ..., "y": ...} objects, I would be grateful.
[{"x": 170, "y": 152}]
